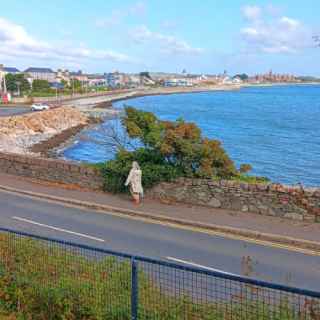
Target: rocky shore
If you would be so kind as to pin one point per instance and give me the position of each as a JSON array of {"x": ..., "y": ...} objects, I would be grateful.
[
  {"x": 34, "y": 132},
  {"x": 40, "y": 133}
]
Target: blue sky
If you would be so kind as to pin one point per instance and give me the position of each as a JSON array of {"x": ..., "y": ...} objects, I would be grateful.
[{"x": 206, "y": 36}]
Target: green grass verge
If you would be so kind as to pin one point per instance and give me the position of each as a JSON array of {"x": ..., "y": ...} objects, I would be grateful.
[{"x": 39, "y": 282}]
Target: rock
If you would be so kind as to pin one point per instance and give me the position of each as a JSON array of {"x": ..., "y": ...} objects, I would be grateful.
[
  {"x": 309, "y": 218},
  {"x": 245, "y": 208},
  {"x": 215, "y": 203},
  {"x": 293, "y": 216},
  {"x": 236, "y": 204}
]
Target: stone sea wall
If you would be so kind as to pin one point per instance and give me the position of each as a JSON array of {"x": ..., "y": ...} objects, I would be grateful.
[
  {"x": 50, "y": 170},
  {"x": 265, "y": 199}
]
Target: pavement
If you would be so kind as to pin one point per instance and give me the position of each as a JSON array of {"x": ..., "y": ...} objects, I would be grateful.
[
  {"x": 156, "y": 240},
  {"x": 6, "y": 111},
  {"x": 196, "y": 215}
]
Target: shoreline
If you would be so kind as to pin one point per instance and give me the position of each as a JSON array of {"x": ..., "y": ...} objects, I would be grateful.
[
  {"x": 46, "y": 147},
  {"x": 54, "y": 146}
]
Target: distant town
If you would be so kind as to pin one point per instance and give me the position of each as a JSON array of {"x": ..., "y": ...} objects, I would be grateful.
[{"x": 45, "y": 81}]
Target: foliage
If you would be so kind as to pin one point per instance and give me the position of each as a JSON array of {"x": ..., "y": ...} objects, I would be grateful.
[
  {"x": 245, "y": 168},
  {"x": 242, "y": 76},
  {"x": 180, "y": 144},
  {"x": 154, "y": 168},
  {"x": 15, "y": 80},
  {"x": 64, "y": 83},
  {"x": 250, "y": 179},
  {"x": 145, "y": 74},
  {"x": 40, "y": 85},
  {"x": 75, "y": 84},
  {"x": 41, "y": 281},
  {"x": 170, "y": 149}
]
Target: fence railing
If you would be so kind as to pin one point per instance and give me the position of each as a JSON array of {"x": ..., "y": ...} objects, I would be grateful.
[{"x": 42, "y": 278}]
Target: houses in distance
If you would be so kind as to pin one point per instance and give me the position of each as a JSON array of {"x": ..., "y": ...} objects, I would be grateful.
[{"x": 116, "y": 80}]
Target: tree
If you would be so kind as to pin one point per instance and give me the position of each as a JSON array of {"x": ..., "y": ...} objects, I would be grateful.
[
  {"x": 40, "y": 85},
  {"x": 242, "y": 76},
  {"x": 181, "y": 144},
  {"x": 64, "y": 83},
  {"x": 166, "y": 150},
  {"x": 75, "y": 84},
  {"x": 145, "y": 74},
  {"x": 17, "y": 82}
]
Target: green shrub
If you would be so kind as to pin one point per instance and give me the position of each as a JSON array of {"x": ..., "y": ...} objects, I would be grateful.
[
  {"x": 169, "y": 149},
  {"x": 154, "y": 168},
  {"x": 250, "y": 179}
]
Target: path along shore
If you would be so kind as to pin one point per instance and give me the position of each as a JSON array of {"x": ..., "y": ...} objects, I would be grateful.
[{"x": 95, "y": 109}]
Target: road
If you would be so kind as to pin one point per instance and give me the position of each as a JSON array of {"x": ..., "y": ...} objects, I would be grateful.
[
  {"x": 158, "y": 241},
  {"x": 12, "y": 111}
]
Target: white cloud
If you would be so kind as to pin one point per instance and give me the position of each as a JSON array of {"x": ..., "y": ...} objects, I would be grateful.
[
  {"x": 289, "y": 23},
  {"x": 270, "y": 33},
  {"x": 15, "y": 41},
  {"x": 167, "y": 43},
  {"x": 251, "y": 12}
]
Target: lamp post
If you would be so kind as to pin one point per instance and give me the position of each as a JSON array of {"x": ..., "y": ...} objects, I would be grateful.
[
  {"x": 18, "y": 83},
  {"x": 72, "y": 87}
]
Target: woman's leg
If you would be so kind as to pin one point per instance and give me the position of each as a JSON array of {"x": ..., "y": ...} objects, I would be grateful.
[{"x": 136, "y": 198}]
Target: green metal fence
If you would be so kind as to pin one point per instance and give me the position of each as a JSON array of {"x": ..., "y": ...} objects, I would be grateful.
[{"x": 43, "y": 278}]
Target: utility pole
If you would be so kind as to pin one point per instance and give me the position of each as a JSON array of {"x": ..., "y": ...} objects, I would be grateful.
[
  {"x": 4, "y": 85},
  {"x": 18, "y": 83},
  {"x": 1, "y": 80}
]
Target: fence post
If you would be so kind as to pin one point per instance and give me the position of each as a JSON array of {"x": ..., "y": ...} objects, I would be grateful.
[{"x": 134, "y": 289}]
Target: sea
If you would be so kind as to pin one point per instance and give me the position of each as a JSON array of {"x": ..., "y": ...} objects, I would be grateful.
[{"x": 276, "y": 129}]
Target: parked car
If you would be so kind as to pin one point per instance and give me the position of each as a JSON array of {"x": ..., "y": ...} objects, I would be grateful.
[{"x": 39, "y": 107}]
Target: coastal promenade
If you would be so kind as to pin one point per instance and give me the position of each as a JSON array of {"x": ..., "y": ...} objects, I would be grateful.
[{"x": 112, "y": 222}]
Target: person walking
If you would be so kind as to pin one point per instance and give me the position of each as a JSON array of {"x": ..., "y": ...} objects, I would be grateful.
[{"x": 134, "y": 180}]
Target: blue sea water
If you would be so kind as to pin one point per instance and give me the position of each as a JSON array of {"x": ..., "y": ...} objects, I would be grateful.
[{"x": 275, "y": 129}]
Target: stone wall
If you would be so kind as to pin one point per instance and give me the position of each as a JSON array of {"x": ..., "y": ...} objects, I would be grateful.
[
  {"x": 266, "y": 199},
  {"x": 50, "y": 170}
]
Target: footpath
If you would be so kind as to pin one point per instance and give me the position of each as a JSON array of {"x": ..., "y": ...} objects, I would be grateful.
[{"x": 232, "y": 224}]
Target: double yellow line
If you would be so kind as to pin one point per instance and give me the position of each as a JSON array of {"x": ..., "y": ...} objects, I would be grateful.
[{"x": 71, "y": 203}]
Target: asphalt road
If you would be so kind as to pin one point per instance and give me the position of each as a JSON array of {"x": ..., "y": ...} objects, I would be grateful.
[
  {"x": 157, "y": 241},
  {"x": 11, "y": 111}
]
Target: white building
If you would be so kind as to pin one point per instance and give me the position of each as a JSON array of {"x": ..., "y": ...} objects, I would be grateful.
[
  {"x": 182, "y": 82},
  {"x": 115, "y": 79},
  {"x": 40, "y": 74}
]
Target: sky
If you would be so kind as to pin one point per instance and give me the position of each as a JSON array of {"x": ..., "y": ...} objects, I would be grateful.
[{"x": 204, "y": 36}]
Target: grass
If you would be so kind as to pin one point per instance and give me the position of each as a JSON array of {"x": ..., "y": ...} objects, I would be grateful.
[
  {"x": 39, "y": 282},
  {"x": 250, "y": 179}
]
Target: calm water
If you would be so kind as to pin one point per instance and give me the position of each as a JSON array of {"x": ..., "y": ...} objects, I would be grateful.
[{"x": 275, "y": 129}]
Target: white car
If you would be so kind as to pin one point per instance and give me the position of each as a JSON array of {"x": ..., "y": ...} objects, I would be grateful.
[{"x": 39, "y": 107}]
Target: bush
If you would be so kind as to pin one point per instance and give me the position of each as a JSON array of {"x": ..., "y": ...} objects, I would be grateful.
[
  {"x": 170, "y": 149},
  {"x": 250, "y": 179},
  {"x": 180, "y": 144},
  {"x": 154, "y": 168},
  {"x": 245, "y": 168}
]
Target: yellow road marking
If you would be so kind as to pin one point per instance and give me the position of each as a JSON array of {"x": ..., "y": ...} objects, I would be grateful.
[{"x": 173, "y": 225}]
